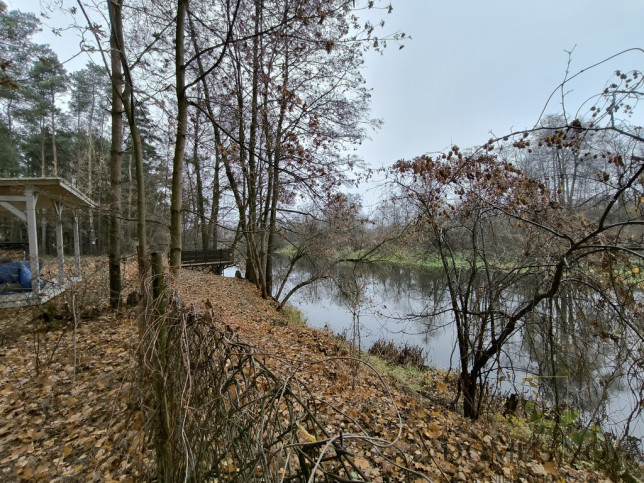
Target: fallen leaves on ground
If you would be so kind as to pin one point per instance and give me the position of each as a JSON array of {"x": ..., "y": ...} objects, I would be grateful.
[
  {"x": 66, "y": 418},
  {"x": 411, "y": 431},
  {"x": 73, "y": 419}
]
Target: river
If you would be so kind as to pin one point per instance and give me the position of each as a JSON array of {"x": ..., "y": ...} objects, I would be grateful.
[{"x": 386, "y": 301}]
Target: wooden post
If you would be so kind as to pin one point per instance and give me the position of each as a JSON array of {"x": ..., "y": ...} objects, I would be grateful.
[
  {"x": 165, "y": 465},
  {"x": 32, "y": 234},
  {"x": 60, "y": 252},
  {"x": 157, "y": 281}
]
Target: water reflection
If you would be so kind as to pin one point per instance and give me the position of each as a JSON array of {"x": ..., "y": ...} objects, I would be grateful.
[
  {"x": 393, "y": 302},
  {"x": 566, "y": 343}
]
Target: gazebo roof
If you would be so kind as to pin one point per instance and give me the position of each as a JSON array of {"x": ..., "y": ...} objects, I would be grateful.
[{"x": 49, "y": 190}]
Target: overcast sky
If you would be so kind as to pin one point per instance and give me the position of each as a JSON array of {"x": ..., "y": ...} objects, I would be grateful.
[{"x": 477, "y": 66}]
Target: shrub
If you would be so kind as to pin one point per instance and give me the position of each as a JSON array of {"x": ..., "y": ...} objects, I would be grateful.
[{"x": 406, "y": 355}]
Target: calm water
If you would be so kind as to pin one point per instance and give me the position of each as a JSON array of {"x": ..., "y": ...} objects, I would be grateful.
[
  {"x": 386, "y": 302},
  {"x": 388, "y": 308}
]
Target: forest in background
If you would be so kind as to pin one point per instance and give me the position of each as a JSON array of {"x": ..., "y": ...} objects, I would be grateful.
[
  {"x": 227, "y": 123},
  {"x": 245, "y": 110}
]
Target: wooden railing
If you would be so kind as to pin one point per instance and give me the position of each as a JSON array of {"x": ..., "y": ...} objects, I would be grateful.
[{"x": 217, "y": 260}]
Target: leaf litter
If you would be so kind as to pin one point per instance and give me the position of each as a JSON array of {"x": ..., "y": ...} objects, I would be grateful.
[{"x": 69, "y": 415}]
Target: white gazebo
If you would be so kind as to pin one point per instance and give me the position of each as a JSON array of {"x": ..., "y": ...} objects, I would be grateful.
[{"x": 22, "y": 197}]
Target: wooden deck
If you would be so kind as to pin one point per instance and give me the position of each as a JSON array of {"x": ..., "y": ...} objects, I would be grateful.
[{"x": 216, "y": 260}]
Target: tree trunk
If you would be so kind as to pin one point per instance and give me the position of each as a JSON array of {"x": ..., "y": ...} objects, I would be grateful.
[
  {"x": 42, "y": 148},
  {"x": 255, "y": 241},
  {"x": 270, "y": 245},
  {"x": 128, "y": 232},
  {"x": 90, "y": 167},
  {"x": 180, "y": 142},
  {"x": 53, "y": 133},
  {"x": 10, "y": 136},
  {"x": 165, "y": 455},
  {"x": 470, "y": 406},
  {"x": 128, "y": 104},
  {"x": 214, "y": 211},
  {"x": 200, "y": 202},
  {"x": 115, "y": 163},
  {"x": 274, "y": 172}
]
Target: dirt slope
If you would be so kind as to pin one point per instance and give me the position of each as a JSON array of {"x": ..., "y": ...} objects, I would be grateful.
[{"x": 66, "y": 418}]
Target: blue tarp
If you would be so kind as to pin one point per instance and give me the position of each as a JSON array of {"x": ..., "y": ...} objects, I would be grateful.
[{"x": 17, "y": 272}]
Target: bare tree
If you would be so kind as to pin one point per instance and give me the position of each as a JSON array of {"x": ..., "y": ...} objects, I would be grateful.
[{"x": 495, "y": 228}]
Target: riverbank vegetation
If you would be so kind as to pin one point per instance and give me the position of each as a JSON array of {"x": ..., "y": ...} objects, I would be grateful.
[
  {"x": 85, "y": 411},
  {"x": 531, "y": 423},
  {"x": 538, "y": 233}
]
